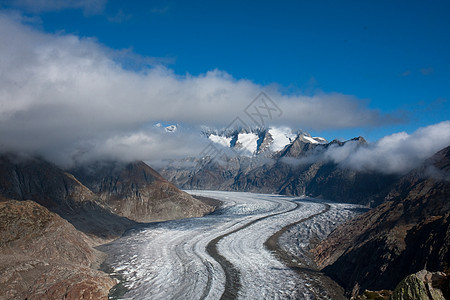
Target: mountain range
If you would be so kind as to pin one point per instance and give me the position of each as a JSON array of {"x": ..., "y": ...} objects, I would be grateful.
[
  {"x": 278, "y": 161},
  {"x": 52, "y": 218}
]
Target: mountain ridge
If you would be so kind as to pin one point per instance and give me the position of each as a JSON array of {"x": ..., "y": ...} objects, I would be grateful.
[
  {"x": 136, "y": 191},
  {"x": 405, "y": 234},
  {"x": 298, "y": 169}
]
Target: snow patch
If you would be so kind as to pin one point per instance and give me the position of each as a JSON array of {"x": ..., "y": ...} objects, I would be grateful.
[
  {"x": 221, "y": 140},
  {"x": 248, "y": 141},
  {"x": 321, "y": 140},
  {"x": 282, "y": 136},
  {"x": 310, "y": 139}
]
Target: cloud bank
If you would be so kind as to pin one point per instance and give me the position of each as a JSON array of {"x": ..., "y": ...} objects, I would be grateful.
[
  {"x": 394, "y": 154},
  {"x": 66, "y": 97}
]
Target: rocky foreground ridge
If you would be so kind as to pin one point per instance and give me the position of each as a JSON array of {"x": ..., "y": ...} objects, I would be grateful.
[
  {"x": 409, "y": 232},
  {"x": 50, "y": 221},
  {"x": 44, "y": 257}
]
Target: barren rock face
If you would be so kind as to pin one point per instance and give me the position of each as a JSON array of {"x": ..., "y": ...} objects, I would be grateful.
[
  {"x": 138, "y": 192},
  {"x": 45, "y": 257},
  {"x": 409, "y": 232},
  {"x": 60, "y": 192},
  {"x": 423, "y": 285}
]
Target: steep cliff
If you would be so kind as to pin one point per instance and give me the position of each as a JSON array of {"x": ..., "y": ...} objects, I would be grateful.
[{"x": 407, "y": 233}]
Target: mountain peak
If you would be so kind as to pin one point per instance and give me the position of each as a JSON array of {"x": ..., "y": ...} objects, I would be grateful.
[
  {"x": 360, "y": 140},
  {"x": 169, "y": 128},
  {"x": 260, "y": 140},
  {"x": 136, "y": 191}
]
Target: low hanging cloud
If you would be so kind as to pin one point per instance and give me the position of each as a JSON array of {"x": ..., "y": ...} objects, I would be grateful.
[
  {"x": 397, "y": 153},
  {"x": 66, "y": 97},
  {"x": 394, "y": 154}
]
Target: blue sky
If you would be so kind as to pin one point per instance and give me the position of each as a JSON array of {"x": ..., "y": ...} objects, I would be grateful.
[
  {"x": 390, "y": 57},
  {"x": 396, "y": 54}
]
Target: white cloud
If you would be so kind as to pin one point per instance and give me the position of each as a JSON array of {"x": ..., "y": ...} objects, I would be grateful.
[
  {"x": 152, "y": 145},
  {"x": 396, "y": 153},
  {"x": 68, "y": 95}
]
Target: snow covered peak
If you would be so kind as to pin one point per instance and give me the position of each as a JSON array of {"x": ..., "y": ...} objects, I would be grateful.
[
  {"x": 245, "y": 142},
  {"x": 321, "y": 140},
  {"x": 257, "y": 141},
  {"x": 281, "y": 137},
  {"x": 248, "y": 142},
  {"x": 221, "y": 140},
  {"x": 171, "y": 128},
  {"x": 307, "y": 138}
]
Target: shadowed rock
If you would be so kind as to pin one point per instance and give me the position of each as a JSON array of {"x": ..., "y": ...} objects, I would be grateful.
[
  {"x": 407, "y": 233},
  {"x": 38, "y": 180}
]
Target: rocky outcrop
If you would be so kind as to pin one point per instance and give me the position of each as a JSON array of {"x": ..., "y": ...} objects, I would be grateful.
[
  {"x": 373, "y": 295},
  {"x": 36, "y": 179},
  {"x": 136, "y": 191},
  {"x": 422, "y": 285},
  {"x": 45, "y": 257},
  {"x": 407, "y": 233}
]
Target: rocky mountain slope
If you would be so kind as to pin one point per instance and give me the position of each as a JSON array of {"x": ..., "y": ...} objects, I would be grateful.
[
  {"x": 46, "y": 244},
  {"x": 136, "y": 191},
  {"x": 108, "y": 198},
  {"x": 38, "y": 180},
  {"x": 407, "y": 233},
  {"x": 44, "y": 257},
  {"x": 292, "y": 170}
]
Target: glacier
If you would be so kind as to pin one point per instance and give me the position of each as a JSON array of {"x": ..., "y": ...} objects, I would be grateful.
[{"x": 169, "y": 260}]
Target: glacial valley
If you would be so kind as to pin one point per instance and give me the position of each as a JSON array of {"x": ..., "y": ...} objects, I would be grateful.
[{"x": 225, "y": 254}]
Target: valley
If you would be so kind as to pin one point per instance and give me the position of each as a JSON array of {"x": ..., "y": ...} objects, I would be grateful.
[
  {"x": 223, "y": 255},
  {"x": 224, "y": 150},
  {"x": 165, "y": 243}
]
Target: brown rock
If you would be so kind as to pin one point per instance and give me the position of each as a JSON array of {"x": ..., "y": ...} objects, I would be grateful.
[
  {"x": 402, "y": 236},
  {"x": 60, "y": 192},
  {"x": 420, "y": 286},
  {"x": 138, "y": 192},
  {"x": 45, "y": 257}
]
